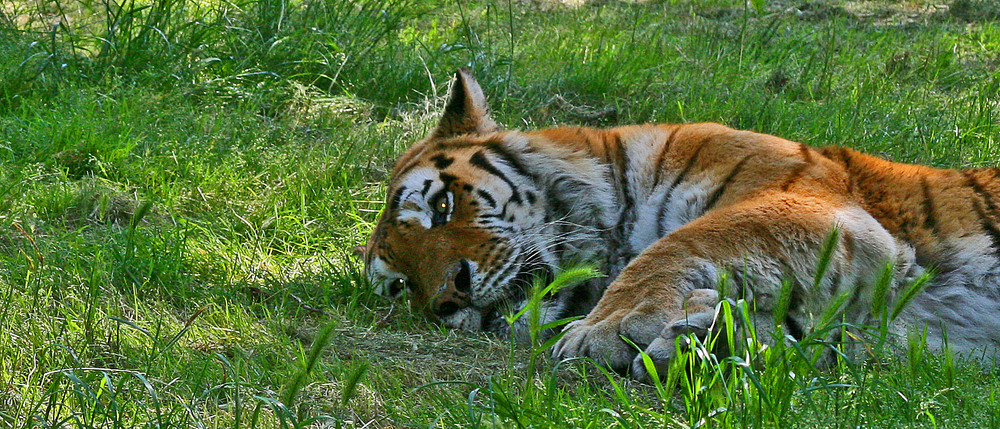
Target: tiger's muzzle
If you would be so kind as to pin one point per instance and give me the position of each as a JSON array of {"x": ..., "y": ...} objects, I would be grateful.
[{"x": 454, "y": 294}]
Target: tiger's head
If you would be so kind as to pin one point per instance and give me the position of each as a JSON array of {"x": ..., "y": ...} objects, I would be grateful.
[{"x": 466, "y": 227}]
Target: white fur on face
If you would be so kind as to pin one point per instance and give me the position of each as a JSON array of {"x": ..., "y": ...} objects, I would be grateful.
[
  {"x": 381, "y": 276},
  {"x": 413, "y": 204},
  {"x": 466, "y": 319}
]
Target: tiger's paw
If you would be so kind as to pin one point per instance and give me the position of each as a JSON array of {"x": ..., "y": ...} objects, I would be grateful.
[
  {"x": 600, "y": 341},
  {"x": 703, "y": 313},
  {"x": 603, "y": 339}
]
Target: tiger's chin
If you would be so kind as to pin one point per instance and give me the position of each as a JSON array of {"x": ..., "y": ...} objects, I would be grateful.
[
  {"x": 497, "y": 318},
  {"x": 467, "y": 319},
  {"x": 494, "y": 319},
  {"x": 501, "y": 324}
]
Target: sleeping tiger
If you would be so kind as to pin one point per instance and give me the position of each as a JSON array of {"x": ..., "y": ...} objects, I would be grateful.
[{"x": 474, "y": 213}]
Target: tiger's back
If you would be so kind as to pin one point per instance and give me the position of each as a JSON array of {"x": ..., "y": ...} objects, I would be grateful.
[{"x": 666, "y": 176}]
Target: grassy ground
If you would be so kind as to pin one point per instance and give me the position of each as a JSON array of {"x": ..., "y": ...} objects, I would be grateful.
[{"x": 181, "y": 182}]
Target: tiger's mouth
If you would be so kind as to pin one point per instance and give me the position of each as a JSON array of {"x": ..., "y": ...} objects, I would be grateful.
[{"x": 516, "y": 292}]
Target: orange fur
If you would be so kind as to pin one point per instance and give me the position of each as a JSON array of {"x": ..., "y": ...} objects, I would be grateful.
[{"x": 665, "y": 209}]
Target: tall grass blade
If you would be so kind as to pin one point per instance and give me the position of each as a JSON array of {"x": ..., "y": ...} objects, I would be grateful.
[
  {"x": 880, "y": 291},
  {"x": 152, "y": 395},
  {"x": 351, "y": 381},
  {"x": 825, "y": 257},
  {"x": 299, "y": 379},
  {"x": 784, "y": 301},
  {"x": 911, "y": 292},
  {"x": 237, "y": 396},
  {"x": 176, "y": 337},
  {"x": 139, "y": 214}
]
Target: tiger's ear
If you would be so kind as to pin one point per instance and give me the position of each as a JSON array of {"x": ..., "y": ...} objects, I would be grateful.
[
  {"x": 360, "y": 251},
  {"x": 467, "y": 111}
]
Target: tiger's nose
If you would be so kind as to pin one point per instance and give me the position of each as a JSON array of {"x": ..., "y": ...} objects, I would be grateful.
[{"x": 454, "y": 294}]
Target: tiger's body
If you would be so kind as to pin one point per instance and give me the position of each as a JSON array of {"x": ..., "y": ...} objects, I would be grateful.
[{"x": 474, "y": 212}]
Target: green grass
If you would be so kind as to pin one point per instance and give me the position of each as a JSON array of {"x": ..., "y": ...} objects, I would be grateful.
[{"x": 181, "y": 183}]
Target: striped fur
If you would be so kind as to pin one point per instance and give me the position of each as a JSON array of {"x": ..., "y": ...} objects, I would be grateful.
[{"x": 474, "y": 212}]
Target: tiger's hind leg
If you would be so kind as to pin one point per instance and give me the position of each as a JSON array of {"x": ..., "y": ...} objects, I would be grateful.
[{"x": 767, "y": 240}]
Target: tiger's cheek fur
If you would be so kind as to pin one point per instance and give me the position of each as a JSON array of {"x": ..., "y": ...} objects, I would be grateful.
[{"x": 426, "y": 256}]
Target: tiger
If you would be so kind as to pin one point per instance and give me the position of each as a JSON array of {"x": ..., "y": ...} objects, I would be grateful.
[{"x": 474, "y": 213}]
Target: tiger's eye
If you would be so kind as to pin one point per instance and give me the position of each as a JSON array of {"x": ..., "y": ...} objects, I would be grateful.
[
  {"x": 396, "y": 287},
  {"x": 440, "y": 208},
  {"x": 441, "y": 205}
]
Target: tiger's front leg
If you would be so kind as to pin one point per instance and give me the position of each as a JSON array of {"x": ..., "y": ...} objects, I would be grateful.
[{"x": 671, "y": 287}]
